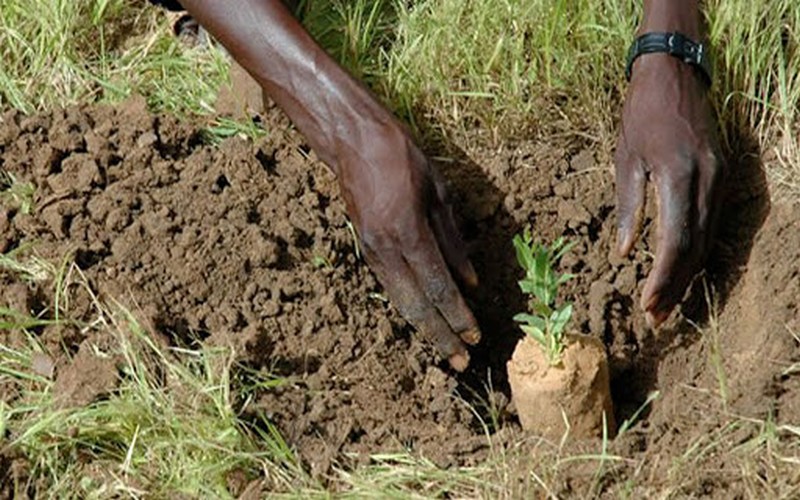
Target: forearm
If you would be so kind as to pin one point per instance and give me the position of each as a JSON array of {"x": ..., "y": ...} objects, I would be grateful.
[
  {"x": 673, "y": 15},
  {"x": 330, "y": 108}
]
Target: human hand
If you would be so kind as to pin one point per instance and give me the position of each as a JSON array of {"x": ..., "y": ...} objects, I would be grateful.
[
  {"x": 668, "y": 134},
  {"x": 400, "y": 209}
]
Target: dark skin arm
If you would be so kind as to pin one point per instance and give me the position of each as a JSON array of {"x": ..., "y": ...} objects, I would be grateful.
[
  {"x": 394, "y": 197},
  {"x": 668, "y": 135}
]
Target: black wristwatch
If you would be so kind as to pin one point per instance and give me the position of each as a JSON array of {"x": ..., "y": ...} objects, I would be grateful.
[{"x": 674, "y": 44}]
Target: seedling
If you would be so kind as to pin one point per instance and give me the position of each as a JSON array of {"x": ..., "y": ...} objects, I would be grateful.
[{"x": 547, "y": 322}]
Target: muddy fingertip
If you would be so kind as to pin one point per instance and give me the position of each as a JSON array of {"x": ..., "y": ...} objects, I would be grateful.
[
  {"x": 654, "y": 312},
  {"x": 471, "y": 336},
  {"x": 459, "y": 361},
  {"x": 624, "y": 241}
]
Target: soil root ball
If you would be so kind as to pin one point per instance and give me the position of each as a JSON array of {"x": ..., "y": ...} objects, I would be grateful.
[{"x": 578, "y": 387}]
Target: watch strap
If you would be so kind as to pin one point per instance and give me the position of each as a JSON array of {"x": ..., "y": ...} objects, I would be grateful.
[{"x": 674, "y": 44}]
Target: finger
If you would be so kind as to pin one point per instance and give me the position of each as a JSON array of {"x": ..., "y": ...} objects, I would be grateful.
[
  {"x": 447, "y": 234},
  {"x": 630, "y": 185},
  {"x": 678, "y": 240},
  {"x": 400, "y": 283},
  {"x": 426, "y": 261},
  {"x": 709, "y": 197},
  {"x": 451, "y": 244}
]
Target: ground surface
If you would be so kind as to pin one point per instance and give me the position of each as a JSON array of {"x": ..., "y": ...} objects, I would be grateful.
[{"x": 249, "y": 244}]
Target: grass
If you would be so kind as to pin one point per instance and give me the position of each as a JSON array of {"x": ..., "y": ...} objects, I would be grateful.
[
  {"x": 16, "y": 194},
  {"x": 758, "y": 72},
  {"x": 173, "y": 425},
  {"x": 59, "y": 52},
  {"x": 512, "y": 66}
]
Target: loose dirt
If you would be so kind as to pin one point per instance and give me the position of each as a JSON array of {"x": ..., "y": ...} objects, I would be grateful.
[{"x": 248, "y": 244}]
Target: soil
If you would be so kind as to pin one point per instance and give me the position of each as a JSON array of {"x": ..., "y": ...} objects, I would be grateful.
[
  {"x": 569, "y": 400},
  {"x": 248, "y": 244}
]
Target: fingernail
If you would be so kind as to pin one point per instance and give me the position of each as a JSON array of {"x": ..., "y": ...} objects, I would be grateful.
[
  {"x": 459, "y": 361},
  {"x": 655, "y": 313},
  {"x": 649, "y": 301},
  {"x": 655, "y": 319},
  {"x": 469, "y": 275},
  {"x": 622, "y": 242},
  {"x": 471, "y": 336}
]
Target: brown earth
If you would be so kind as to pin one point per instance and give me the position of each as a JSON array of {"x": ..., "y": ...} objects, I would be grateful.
[{"x": 249, "y": 244}]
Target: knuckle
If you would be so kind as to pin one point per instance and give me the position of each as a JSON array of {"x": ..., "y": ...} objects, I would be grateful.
[
  {"x": 374, "y": 238},
  {"x": 437, "y": 289}
]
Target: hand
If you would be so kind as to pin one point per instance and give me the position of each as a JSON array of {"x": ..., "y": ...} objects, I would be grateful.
[
  {"x": 396, "y": 201},
  {"x": 400, "y": 209},
  {"x": 668, "y": 134}
]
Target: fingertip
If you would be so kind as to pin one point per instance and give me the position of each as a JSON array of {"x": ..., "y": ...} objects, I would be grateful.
[
  {"x": 656, "y": 312},
  {"x": 649, "y": 298},
  {"x": 459, "y": 361},
  {"x": 469, "y": 276},
  {"x": 471, "y": 336},
  {"x": 624, "y": 242},
  {"x": 657, "y": 318}
]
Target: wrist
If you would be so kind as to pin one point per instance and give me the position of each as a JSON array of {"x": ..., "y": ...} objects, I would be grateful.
[
  {"x": 674, "y": 44},
  {"x": 681, "y": 16}
]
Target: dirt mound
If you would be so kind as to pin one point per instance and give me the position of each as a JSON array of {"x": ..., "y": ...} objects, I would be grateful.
[{"x": 248, "y": 243}]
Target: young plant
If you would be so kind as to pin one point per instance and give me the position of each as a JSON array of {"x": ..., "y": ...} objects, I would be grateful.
[{"x": 547, "y": 322}]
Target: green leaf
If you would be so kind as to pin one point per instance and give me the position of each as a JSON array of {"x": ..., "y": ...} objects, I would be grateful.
[
  {"x": 559, "y": 319},
  {"x": 542, "y": 309},
  {"x": 531, "y": 320},
  {"x": 560, "y": 253},
  {"x": 537, "y": 334},
  {"x": 564, "y": 278},
  {"x": 527, "y": 286},
  {"x": 522, "y": 251}
]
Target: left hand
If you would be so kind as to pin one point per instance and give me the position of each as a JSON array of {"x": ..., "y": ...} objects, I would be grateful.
[{"x": 668, "y": 135}]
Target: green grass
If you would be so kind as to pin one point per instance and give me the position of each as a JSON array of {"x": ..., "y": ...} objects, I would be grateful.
[
  {"x": 60, "y": 52},
  {"x": 173, "y": 425},
  {"x": 16, "y": 194},
  {"x": 506, "y": 66}
]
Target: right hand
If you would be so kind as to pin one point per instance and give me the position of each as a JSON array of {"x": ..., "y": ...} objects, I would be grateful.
[
  {"x": 400, "y": 209},
  {"x": 668, "y": 135}
]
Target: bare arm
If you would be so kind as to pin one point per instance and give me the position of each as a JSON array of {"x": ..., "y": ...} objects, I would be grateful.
[
  {"x": 326, "y": 104},
  {"x": 394, "y": 197},
  {"x": 673, "y": 15}
]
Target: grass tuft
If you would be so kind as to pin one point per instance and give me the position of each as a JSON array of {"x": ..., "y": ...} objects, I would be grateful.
[
  {"x": 172, "y": 426},
  {"x": 16, "y": 194},
  {"x": 57, "y": 52}
]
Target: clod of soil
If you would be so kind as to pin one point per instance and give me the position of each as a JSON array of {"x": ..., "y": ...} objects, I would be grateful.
[{"x": 572, "y": 396}]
